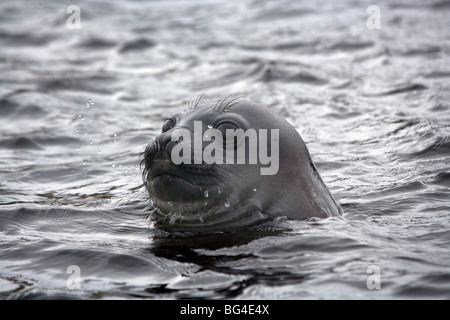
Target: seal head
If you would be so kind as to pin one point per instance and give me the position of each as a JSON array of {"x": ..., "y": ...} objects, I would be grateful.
[{"x": 221, "y": 184}]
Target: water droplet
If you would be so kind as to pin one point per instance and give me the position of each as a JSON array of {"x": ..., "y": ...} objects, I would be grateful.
[
  {"x": 210, "y": 126},
  {"x": 99, "y": 151},
  {"x": 113, "y": 165},
  {"x": 90, "y": 142},
  {"x": 78, "y": 130},
  {"x": 218, "y": 190},
  {"x": 206, "y": 194},
  {"x": 88, "y": 105},
  {"x": 227, "y": 204},
  {"x": 254, "y": 189}
]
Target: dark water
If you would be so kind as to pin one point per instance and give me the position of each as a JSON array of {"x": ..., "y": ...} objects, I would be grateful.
[{"x": 77, "y": 108}]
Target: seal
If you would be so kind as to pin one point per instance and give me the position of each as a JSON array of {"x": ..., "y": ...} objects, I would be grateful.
[{"x": 231, "y": 192}]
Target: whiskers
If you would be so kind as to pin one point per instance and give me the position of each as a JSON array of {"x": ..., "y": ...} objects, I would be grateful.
[
  {"x": 193, "y": 104},
  {"x": 230, "y": 176},
  {"x": 147, "y": 157},
  {"x": 223, "y": 105}
]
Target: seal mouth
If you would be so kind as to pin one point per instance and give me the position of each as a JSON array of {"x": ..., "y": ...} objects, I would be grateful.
[
  {"x": 179, "y": 183},
  {"x": 186, "y": 198},
  {"x": 196, "y": 175}
]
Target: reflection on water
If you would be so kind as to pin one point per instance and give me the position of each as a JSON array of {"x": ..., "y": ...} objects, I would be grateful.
[{"x": 77, "y": 108}]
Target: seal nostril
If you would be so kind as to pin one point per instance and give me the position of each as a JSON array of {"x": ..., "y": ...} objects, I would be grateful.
[{"x": 168, "y": 124}]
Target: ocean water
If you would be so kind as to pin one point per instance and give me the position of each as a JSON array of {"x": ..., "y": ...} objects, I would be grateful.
[{"x": 78, "y": 106}]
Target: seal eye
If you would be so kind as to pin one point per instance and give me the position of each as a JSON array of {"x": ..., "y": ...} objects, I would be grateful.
[
  {"x": 168, "y": 124},
  {"x": 229, "y": 141},
  {"x": 222, "y": 127}
]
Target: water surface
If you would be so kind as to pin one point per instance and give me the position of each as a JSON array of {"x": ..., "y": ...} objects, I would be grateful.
[{"x": 77, "y": 108}]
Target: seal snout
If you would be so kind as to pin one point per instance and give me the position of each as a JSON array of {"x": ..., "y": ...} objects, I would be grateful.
[
  {"x": 157, "y": 152},
  {"x": 169, "y": 182}
]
